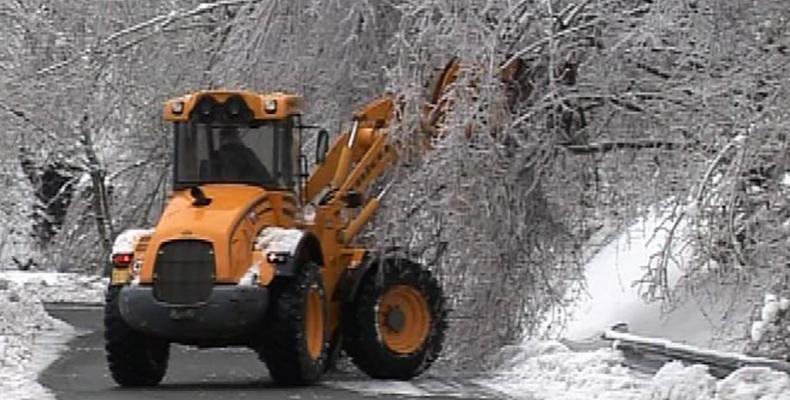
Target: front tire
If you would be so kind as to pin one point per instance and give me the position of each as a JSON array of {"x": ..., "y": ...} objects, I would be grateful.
[
  {"x": 394, "y": 328},
  {"x": 134, "y": 359},
  {"x": 294, "y": 340}
]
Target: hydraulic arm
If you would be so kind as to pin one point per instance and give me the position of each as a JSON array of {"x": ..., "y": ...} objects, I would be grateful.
[{"x": 355, "y": 160}]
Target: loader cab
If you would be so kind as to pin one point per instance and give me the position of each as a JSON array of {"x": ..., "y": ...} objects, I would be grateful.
[{"x": 235, "y": 138}]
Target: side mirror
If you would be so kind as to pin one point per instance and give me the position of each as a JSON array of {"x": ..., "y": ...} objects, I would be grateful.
[{"x": 321, "y": 146}]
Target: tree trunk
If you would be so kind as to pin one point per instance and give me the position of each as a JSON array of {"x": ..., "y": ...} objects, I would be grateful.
[{"x": 100, "y": 203}]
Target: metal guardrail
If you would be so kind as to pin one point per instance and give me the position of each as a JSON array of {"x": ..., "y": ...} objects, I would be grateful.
[{"x": 722, "y": 363}]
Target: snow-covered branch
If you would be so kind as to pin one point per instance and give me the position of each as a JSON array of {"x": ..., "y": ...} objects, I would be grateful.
[{"x": 157, "y": 23}]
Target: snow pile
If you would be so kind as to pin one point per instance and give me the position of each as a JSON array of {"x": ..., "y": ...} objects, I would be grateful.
[
  {"x": 57, "y": 287},
  {"x": 773, "y": 309},
  {"x": 24, "y": 324},
  {"x": 754, "y": 383},
  {"x": 677, "y": 382},
  {"x": 549, "y": 370}
]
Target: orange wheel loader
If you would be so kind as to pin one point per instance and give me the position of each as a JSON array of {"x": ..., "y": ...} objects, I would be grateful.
[{"x": 254, "y": 250}]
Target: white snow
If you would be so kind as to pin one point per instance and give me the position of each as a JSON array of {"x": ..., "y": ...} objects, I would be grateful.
[
  {"x": 612, "y": 295},
  {"x": 379, "y": 388},
  {"x": 769, "y": 315},
  {"x": 124, "y": 243},
  {"x": 691, "y": 210},
  {"x": 549, "y": 370},
  {"x": 677, "y": 382},
  {"x": 624, "y": 337},
  {"x": 784, "y": 304},
  {"x": 58, "y": 287},
  {"x": 754, "y": 383},
  {"x": 29, "y": 338},
  {"x": 279, "y": 240},
  {"x": 770, "y": 309},
  {"x": 758, "y": 330}
]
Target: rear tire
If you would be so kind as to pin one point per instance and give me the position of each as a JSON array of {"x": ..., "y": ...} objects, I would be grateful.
[
  {"x": 134, "y": 359},
  {"x": 394, "y": 328},
  {"x": 294, "y": 340}
]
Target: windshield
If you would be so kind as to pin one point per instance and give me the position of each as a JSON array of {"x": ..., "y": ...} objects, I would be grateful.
[{"x": 223, "y": 153}]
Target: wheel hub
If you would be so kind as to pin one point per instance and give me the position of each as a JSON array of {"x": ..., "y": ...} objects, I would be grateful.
[
  {"x": 396, "y": 319},
  {"x": 404, "y": 319}
]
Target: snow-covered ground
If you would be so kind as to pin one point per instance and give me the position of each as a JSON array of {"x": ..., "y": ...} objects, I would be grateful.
[
  {"x": 549, "y": 370},
  {"x": 29, "y": 338}
]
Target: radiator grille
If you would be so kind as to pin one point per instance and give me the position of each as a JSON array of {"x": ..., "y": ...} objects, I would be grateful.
[{"x": 184, "y": 272}]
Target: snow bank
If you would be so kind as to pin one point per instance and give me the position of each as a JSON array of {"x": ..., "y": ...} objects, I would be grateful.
[
  {"x": 55, "y": 287},
  {"x": 550, "y": 371},
  {"x": 677, "y": 382},
  {"x": 25, "y": 326},
  {"x": 754, "y": 383}
]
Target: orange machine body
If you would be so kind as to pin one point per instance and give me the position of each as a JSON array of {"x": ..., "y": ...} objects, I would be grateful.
[{"x": 230, "y": 223}]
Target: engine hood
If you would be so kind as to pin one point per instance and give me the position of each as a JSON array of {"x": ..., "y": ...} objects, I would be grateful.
[{"x": 229, "y": 222}]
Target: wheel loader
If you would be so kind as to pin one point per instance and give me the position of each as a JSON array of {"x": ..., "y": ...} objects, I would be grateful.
[{"x": 256, "y": 249}]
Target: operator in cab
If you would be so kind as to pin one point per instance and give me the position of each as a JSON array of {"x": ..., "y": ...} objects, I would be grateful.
[{"x": 237, "y": 162}]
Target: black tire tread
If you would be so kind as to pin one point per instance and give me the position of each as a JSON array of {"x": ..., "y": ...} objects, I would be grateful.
[
  {"x": 134, "y": 359},
  {"x": 283, "y": 346}
]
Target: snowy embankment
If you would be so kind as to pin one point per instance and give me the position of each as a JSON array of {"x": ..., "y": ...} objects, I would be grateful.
[
  {"x": 550, "y": 370},
  {"x": 30, "y": 339}
]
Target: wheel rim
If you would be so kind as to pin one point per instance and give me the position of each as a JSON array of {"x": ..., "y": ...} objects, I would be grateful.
[
  {"x": 314, "y": 324},
  {"x": 404, "y": 319}
]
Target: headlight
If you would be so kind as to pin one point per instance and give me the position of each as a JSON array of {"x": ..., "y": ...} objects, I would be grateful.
[
  {"x": 177, "y": 107},
  {"x": 270, "y": 106}
]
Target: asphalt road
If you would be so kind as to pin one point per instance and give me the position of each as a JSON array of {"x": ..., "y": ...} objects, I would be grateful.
[{"x": 81, "y": 374}]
